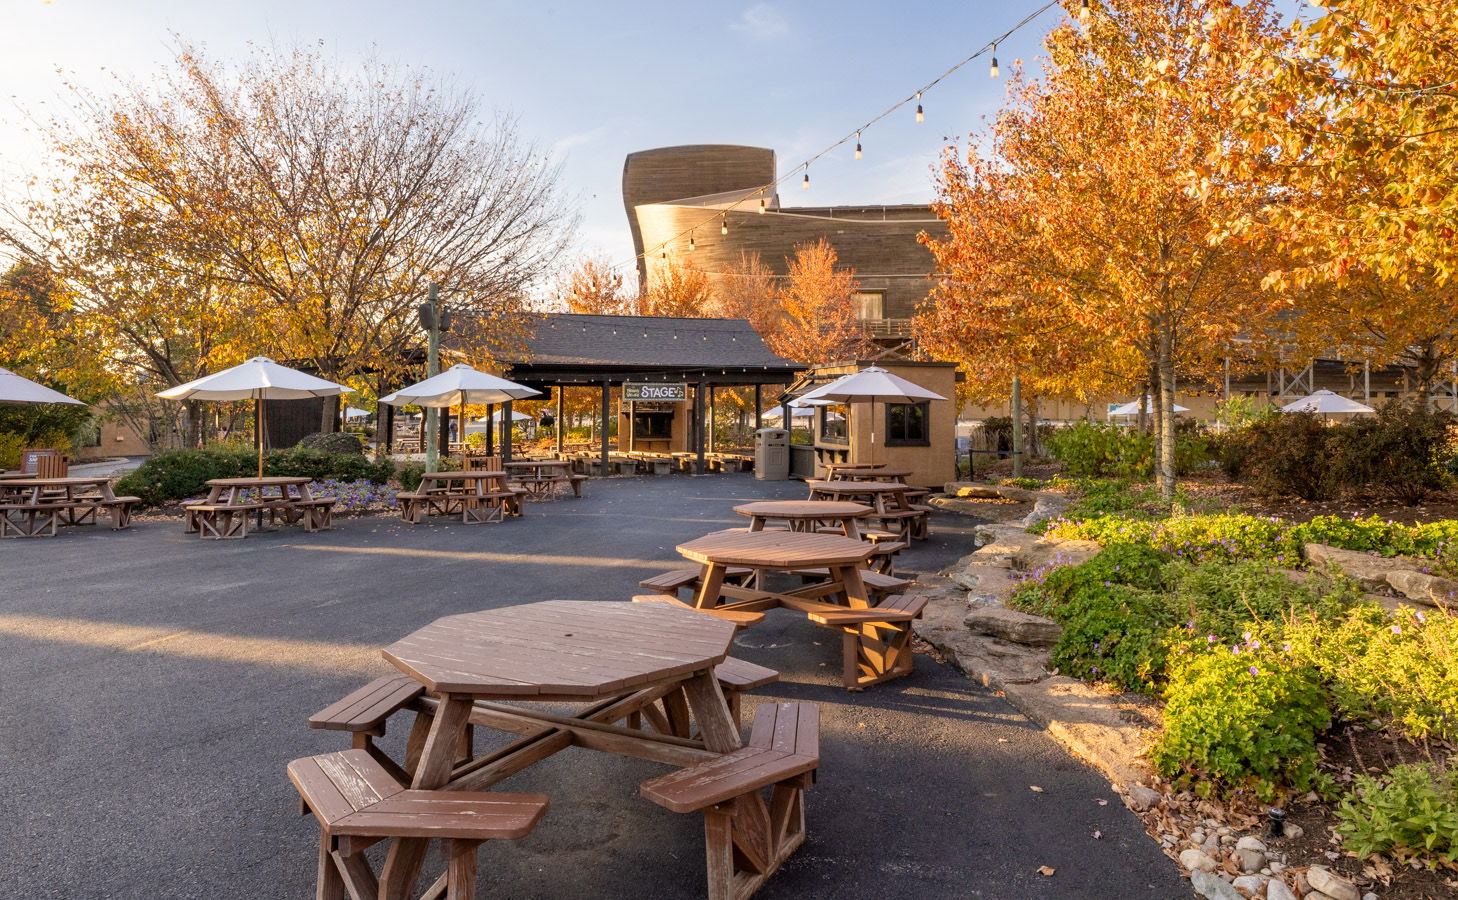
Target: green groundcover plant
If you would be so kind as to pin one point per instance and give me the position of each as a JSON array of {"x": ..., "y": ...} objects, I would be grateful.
[
  {"x": 179, "y": 474},
  {"x": 1410, "y": 812},
  {"x": 1241, "y": 718}
]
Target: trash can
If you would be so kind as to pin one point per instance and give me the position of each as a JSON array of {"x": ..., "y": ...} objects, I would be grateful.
[{"x": 772, "y": 454}]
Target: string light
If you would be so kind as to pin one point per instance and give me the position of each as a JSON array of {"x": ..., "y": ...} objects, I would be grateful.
[
  {"x": 1084, "y": 11},
  {"x": 992, "y": 72},
  {"x": 724, "y": 224},
  {"x": 805, "y": 183},
  {"x": 761, "y": 206},
  {"x": 858, "y": 145},
  {"x": 691, "y": 243},
  {"x": 919, "y": 116}
]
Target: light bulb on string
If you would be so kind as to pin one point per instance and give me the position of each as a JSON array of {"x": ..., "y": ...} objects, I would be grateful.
[
  {"x": 761, "y": 206},
  {"x": 919, "y": 116},
  {"x": 805, "y": 182},
  {"x": 858, "y": 145},
  {"x": 691, "y": 243},
  {"x": 1084, "y": 10},
  {"x": 993, "y": 72},
  {"x": 724, "y": 224}
]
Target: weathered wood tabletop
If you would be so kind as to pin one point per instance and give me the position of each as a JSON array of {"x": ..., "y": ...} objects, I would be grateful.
[
  {"x": 865, "y": 473},
  {"x": 779, "y": 551},
  {"x": 804, "y": 515},
  {"x": 624, "y": 656},
  {"x": 230, "y": 491}
]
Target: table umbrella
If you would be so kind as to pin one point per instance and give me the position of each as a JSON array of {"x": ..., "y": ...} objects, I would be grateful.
[
  {"x": 14, "y": 389},
  {"x": 1132, "y": 408},
  {"x": 1326, "y": 403},
  {"x": 259, "y": 379},
  {"x": 460, "y": 385},
  {"x": 870, "y": 384}
]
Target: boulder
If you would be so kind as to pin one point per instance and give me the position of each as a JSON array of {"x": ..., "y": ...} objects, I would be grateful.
[
  {"x": 1211, "y": 887},
  {"x": 1250, "y": 842},
  {"x": 1329, "y": 883},
  {"x": 1250, "y": 885},
  {"x": 978, "y": 491},
  {"x": 1424, "y": 588},
  {"x": 1197, "y": 860},
  {"x": 1045, "y": 554},
  {"x": 985, "y": 585},
  {"x": 1250, "y": 861},
  {"x": 1367, "y": 569},
  {"x": 1011, "y": 625},
  {"x": 1276, "y": 889},
  {"x": 1141, "y": 798},
  {"x": 1044, "y": 508}
]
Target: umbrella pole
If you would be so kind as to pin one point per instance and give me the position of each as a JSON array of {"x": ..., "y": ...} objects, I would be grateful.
[
  {"x": 461, "y": 432},
  {"x": 261, "y": 430}
]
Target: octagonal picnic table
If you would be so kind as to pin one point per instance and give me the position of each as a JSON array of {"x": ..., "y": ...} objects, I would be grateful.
[
  {"x": 619, "y": 657},
  {"x": 804, "y": 515},
  {"x": 778, "y": 551}
]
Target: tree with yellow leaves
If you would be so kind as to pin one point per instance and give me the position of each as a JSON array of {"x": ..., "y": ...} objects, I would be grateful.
[
  {"x": 676, "y": 289},
  {"x": 819, "y": 323},
  {"x": 1084, "y": 218},
  {"x": 749, "y": 289},
  {"x": 593, "y": 286}
]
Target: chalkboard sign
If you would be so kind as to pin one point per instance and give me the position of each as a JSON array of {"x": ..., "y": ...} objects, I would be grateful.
[{"x": 643, "y": 390}]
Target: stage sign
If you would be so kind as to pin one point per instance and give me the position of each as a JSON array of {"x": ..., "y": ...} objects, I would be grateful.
[{"x": 634, "y": 391}]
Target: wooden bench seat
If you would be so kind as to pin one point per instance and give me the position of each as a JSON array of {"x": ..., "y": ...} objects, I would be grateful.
[
  {"x": 576, "y": 481},
  {"x": 740, "y": 617},
  {"x": 364, "y": 712},
  {"x": 878, "y": 584},
  {"x": 358, "y": 803},
  {"x": 674, "y": 580},
  {"x": 745, "y": 839},
  {"x": 735, "y": 676},
  {"x": 876, "y": 642}
]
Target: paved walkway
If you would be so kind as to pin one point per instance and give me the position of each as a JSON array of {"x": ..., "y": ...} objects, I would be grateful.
[{"x": 155, "y": 686}]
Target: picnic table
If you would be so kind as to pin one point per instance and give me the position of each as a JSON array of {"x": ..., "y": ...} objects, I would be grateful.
[
  {"x": 890, "y": 501},
  {"x": 620, "y": 659},
  {"x": 840, "y": 558},
  {"x": 32, "y": 507},
  {"x": 478, "y": 495},
  {"x": 540, "y": 478},
  {"x": 866, "y": 473},
  {"x": 229, "y": 503},
  {"x": 805, "y": 515}
]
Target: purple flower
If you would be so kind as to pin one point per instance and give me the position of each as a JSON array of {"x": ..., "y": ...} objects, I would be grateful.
[
  {"x": 1254, "y": 671},
  {"x": 1397, "y": 629}
]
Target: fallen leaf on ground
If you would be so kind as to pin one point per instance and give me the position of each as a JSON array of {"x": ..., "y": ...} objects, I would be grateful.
[
  {"x": 1034, "y": 787},
  {"x": 1098, "y": 834},
  {"x": 1046, "y": 870},
  {"x": 1101, "y": 801}
]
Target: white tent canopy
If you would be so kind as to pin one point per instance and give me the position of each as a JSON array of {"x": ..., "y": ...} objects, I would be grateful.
[
  {"x": 15, "y": 389},
  {"x": 258, "y": 379},
  {"x": 515, "y": 417},
  {"x": 1327, "y": 404},
  {"x": 458, "y": 385},
  {"x": 1132, "y": 408},
  {"x": 354, "y": 412}
]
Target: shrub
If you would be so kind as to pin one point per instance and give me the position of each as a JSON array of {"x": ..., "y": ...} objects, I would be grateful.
[
  {"x": 409, "y": 474},
  {"x": 332, "y": 442},
  {"x": 1240, "y": 718},
  {"x": 1114, "y": 633},
  {"x": 1369, "y": 535},
  {"x": 1095, "y": 450},
  {"x": 1046, "y": 593},
  {"x": 10, "y": 447},
  {"x": 179, "y": 474},
  {"x": 1401, "y": 453},
  {"x": 1401, "y": 666},
  {"x": 1281, "y": 456},
  {"x": 1411, "y": 812}
]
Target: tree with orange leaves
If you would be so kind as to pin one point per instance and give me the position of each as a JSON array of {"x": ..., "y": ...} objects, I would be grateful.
[
  {"x": 819, "y": 323},
  {"x": 676, "y": 289},
  {"x": 593, "y": 286},
  {"x": 1085, "y": 210},
  {"x": 749, "y": 289}
]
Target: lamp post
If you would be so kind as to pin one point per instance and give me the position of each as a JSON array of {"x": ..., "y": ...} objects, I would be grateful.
[{"x": 435, "y": 319}]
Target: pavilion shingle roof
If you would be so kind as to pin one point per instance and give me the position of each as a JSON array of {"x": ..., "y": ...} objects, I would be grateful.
[{"x": 572, "y": 340}]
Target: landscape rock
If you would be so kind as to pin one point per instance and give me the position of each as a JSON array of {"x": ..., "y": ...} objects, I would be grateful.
[
  {"x": 1329, "y": 883},
  {"x": 1277, "y": 889},
  {"x": 1211, "y": 887},
  {"x": 1250, "y": 861},
  {"x": 1014, "y": 626},
  {"x": 1250, "y": 885},
  {"x": 1424, "y": 588},
  {"x": 1367, "y": 569},
  {"x": 1197, "y": 860},
  {"x": 1250, "y": 842},
  {"x": 992, "y": 661},
  {"x": 985, "y": 585},
  {"x": 1143, "y": 799},
  {"x": 998, "y": 539},
  {"x": 1044, "y": 508},
  {"x": 1045, "y": 554},
  {"x": 1294, "y": 831},
  {"x": 1094, "y": 725},
  {"x": 980, "y": 491},
  {"x": 963, "y": 505}
]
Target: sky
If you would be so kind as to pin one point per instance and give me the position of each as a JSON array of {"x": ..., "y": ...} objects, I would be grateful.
[{"x": 589, "y": 82}]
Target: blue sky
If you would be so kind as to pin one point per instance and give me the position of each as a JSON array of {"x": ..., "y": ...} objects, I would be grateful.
[{"x": 591, "y": 81}]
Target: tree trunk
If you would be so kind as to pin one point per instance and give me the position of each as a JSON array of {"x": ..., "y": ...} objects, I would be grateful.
[
  {"x": 1165, "y": 442},
  {"x": 1017, "y": 426}
]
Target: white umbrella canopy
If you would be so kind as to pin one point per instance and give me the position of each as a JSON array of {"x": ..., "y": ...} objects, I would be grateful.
[
  {"x": 15, "y": 389},
  {"x": 459, "y": 385},
  {"x": 258, "y": 379},
  {"x": 354, "y": 412},
  {"x": 1326, "y": 403},
  {"x": 515, "y": 417},
  {"x": 870, "y": 384},
  {"x": 1132, "y": 408}
]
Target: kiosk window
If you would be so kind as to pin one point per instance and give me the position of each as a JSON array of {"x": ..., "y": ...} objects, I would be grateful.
[
  {"x": 651, "y": 425},
  {"x": 906, "y": 425},
  {"x": 833, "y": 427}
]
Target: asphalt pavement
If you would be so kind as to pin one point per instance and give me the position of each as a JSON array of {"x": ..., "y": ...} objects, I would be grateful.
[{"x": 153, "y": 687}]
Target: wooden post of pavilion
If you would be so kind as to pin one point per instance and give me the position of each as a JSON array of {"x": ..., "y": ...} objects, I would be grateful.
[
  {"x": 605, "y": 412},
  {"x": 709, "y": 428},
  {"x": 490, "y": 429},
  {"x": 506, "y": 423},
  {"x": 699, "y": 464},
  {"x": 561, "y": 422},
  {"x": 758, "y": 413}
]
